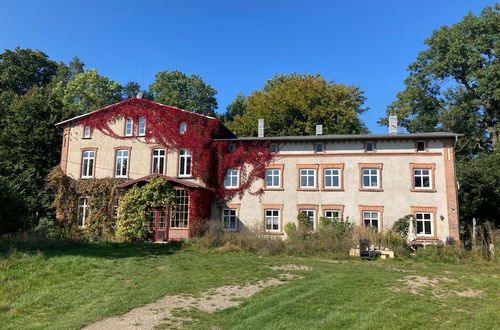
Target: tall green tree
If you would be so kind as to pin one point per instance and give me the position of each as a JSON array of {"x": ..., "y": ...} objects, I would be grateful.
[
  {"x": 454, "y": 83},
  {"x": 131, "y": 89},
  {"x": 294, "y": 104},
  {"x": 191, "y": 93},
  {"x": 235, "y": 108}
]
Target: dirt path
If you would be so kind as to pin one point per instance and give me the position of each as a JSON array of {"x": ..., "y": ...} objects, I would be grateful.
[{"x": 162, "y": 310}]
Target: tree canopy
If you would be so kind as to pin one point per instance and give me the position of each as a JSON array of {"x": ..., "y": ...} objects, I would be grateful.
[
  {"x": 191, "y": 93},
  {"x": 294, "y": 104}
]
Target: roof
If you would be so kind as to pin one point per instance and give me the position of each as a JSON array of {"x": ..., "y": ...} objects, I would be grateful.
[
  {"x": 347, "y": 137},
  {"x": 166, "y": 178},
  {"x": 134, "y": 99}
]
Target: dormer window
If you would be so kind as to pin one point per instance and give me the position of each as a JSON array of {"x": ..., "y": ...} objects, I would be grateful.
[
  {"x": 86, "y": 132},
  {"x": 182, "y": 127},
  {"x": 319, "y": 147},
  {"x": 369, "y": 146},
  {"x": 273, "y": 148},
  {"x": 420, "y": 146},
  {"x": 129, "y": 127},
  {"x": 141, "y": 131}
]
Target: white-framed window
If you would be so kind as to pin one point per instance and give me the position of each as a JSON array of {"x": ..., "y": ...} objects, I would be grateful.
[
  {"x": 273, "y": 148},
  {"x": 88, "y": 159},
  {"x": 158, "y": 161},
  {"x": 179, "y": 218},
  {"x": 141, "y": 127},
  {"x": 371, "y": 219},
  {"x": 121, "y": 163},
  {"x": 424, "y": 224},
  {"x": 319, "y": 147},
  {"x": 331, "y": 178},
  {"x": 86, "y": 132},
  {"x": 273, "y": 178},
  {"x": 83, "y": 210},
  {"x": 371, "y": 177},
  {"x": 232, "y": 179},
  {"x": 307, "y": 178},
  {"x": 184, "y": 163},
  {"x": 369, "y": 146},
  {"x": 182, "y": 127},
  {"x": 129, "y": 127},
  {"x": 229, "y": 219},
  {"x": 333, "y": 214},
  {"x": 422, "y": 178},
  {"x": 272, "y": 220},
  {"x": 420, "y": 146},
  {"x": 311, "y": 214}
]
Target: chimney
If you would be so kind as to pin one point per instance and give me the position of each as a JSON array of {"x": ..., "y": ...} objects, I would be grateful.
[
  {"x": 319, "y": 129},
  {"x": 140, "y": 95},
  {"x": 260, "y": 127},
  {"x": 393, "y": 124}
]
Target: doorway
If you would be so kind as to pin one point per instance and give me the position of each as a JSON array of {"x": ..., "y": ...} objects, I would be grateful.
[{"x": 158, "y": 224}]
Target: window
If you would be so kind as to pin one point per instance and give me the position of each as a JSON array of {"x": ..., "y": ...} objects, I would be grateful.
[
  {"x": 371, "y": 219},
  {"x": 319, "y": 147},
  {"x": 184, "y": 163},
  {"x": 307, "y": 178},
  {"x": 312, "y": 217},
  {"x": 86, "y": 132},
  {"x": 370, "y": 177},
  {"x": 229, "y": 219},
  {"x": 272, "y": 220},
  {"x": 88, "y": 159},
  {"x": 369, "y": 146},
  {"x": 273, "y": 178},
  {"x": 420, "y": 146},
  {"x": 273, "y": 148},
  {"x": 232, "y": 179},
  {"x": 82, "y": 213},
  {"x": 182, "y": 127},
  {"x": 151, "y": 219},
  {"x": 121, "y": 163},
  {"x": 424, "y": 223},
  {"x": 332, "y": 214},
  {"x": 232, "y": 148},
  {"x": 158, "y": 161},
  {"x": 142, "y": 126},
  {"x": 422, "y": 178},
  {"x": 331, "y": 178},
  {"x": 181, "y": 211},
  {"x": 129, "y": 127}
]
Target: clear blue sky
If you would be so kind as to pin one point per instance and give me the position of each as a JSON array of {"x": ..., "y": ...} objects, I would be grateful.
[{"x": 237, "y": 45}]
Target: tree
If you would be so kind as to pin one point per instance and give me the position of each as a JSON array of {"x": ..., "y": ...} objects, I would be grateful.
[
  {"x": 191, "y": 93},
  {"x": 454, "y": 83},
  {"x": 22, "y": 69},
  {"x": 89, "y": 91},
  {"x": 235, "y": 108},
  {"x": 131, "y": 89},
  {"x": 294, "y": 104}
]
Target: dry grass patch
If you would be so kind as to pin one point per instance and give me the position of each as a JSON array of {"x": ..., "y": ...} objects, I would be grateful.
[{"x": 417, "y": 284}]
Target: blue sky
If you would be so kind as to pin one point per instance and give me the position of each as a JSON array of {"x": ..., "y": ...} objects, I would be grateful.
[{"x": 237, "y": 45}]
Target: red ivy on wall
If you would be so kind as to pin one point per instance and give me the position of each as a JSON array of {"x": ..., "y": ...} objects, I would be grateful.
[{"x": 210, "y": 160}]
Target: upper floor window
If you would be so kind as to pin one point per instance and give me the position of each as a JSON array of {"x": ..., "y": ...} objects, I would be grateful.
[
  {"x": 88, "y": 159},
  {"x": 121, "y": 163},
  {"x": 331, "y": 178},
  {"x": 184, "y": 163},
  {"x": 369, "y": 146},
  {"x": 182, "y": 127},
  {"x": 273, "y": 178},
  {"x": 371, "y": 219},
  {"x": 229, "y": 219},
  {"x": 82, "y": 212},
  {"x": 319, "y": 147},
  {"x": 307, "y": 178},
  {"x": 424, "y": 223},
  {"x": 422, "y": 178},
  {"x": 420, "y": 146},
  {"x": 158, "y": 161},
  {"x": 232, "y": 179},
  {"x": 86, "y": 132},
  {"x": 129, "y": 127},
  {"x": 370, "y": 177},
  {"x": 272, "y": 220},
  {"x": 273, "y": 148},
  {"x": 141, "y": 131}
]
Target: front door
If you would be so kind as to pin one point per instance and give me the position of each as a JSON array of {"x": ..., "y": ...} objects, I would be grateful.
[{"x": 158, "y": 224}]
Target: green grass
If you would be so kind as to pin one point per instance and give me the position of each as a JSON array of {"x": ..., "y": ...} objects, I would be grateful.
[{"x": 69, "y": 286}]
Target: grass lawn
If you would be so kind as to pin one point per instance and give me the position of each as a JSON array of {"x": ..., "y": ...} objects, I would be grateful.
[{"x": 71, "y": 285}]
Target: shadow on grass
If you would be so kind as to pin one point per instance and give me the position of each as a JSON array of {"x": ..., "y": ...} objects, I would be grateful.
[{"x": 55, "y": 248}]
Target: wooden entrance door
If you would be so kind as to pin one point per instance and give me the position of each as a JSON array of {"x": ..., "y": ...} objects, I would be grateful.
[{"x": 158, "y": 224}]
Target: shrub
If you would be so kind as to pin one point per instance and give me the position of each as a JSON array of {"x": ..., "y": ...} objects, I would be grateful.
[{"x": 402, "y": 225}]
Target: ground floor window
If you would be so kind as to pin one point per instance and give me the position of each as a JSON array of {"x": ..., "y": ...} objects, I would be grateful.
[
  {"x": 181, "y": 210},
  {"x": 424, "y": 223},
  {"x": 82, "y": 210},
  {"x": 371, "y": 219},
  {"x": 272, "y": 220},
  {"x": 229, "y": 219},
  {"x": 332, "y": 214},
  {"x": 312, "y": 217}
]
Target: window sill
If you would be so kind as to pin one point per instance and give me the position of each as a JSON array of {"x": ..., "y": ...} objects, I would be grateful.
[
  {"x": 184, "y": 177},
  {"x": 371, "y": 189},
  {"x": 429, "y": 238},
  {"x": 332, "y": 189},
  {"x": 86, "y": 138},
  {"x": 179, "y": 228},
  {"x": 423, "y": 190},
  {"x": 231, "y": 188},
  {"x": 86, "y": 177},
  {"x": 307, "y": 189},
  {"x": 273, "y": 189}
]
